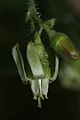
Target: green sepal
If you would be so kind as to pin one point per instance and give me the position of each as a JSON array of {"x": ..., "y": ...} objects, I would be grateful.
[
  {"x": 29, "y": 72},
  {"x": 47, "y": 70},
  {"x": 50, "y": 23},
  {"x": 55, "y": 74},
  {"x": 19, "y": 63},
  {"x": 43, "y": 56},
  {"x": 34, "y": 61},
  {"x": 39, "y": 47},
  {"x": 27, "y": 17}
]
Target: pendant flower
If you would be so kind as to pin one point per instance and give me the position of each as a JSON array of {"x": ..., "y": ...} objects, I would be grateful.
[
  {"x": 62, "y": 44},
  {"x": 39, "y": 66}
]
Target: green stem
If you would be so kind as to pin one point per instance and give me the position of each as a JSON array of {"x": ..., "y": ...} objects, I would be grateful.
[
  {"x": 56, "y": 70},
  {"x": 34, "y": 12},
  {"x": 31, "y": 4},
  {"x": 39, "y": 20},
  {"x": 32, "y": 9}
]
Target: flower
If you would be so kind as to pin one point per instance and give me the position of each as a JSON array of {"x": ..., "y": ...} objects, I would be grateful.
[
  {"x": 61, "y": 43},
  {"x": 39, "y": 72},
  {"x": 39, "y": 83}
]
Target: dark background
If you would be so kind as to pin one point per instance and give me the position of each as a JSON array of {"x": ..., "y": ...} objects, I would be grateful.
[{"x": 16, "y": 100}]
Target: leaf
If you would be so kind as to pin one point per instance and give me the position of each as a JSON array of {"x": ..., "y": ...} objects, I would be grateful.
[
  {"x": 19, "y": 63},
  {"x": 34, "y": 61}
]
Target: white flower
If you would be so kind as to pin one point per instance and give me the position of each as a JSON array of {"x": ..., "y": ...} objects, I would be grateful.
[{"x": 39, "y": 69}]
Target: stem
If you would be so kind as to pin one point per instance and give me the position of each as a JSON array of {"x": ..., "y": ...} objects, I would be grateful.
[
  {"x": 32, "y": 9},
  {"x": 39, "y": 20},
  {"x": 34, "y": 12}
]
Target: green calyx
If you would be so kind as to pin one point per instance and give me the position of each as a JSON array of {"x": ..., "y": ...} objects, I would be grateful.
[
  {"x": 43, "y": 56},
  {"x": 60, "y": 42}
]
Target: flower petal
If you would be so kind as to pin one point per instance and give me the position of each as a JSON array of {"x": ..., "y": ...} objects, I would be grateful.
[
  {"x": 45, "y": 86},
  {"x": 35, "y": 87}
]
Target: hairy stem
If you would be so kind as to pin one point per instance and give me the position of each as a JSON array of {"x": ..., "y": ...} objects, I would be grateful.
[
  {"x": 38, "y": 19},
  {"x": 32, "y": 9}
]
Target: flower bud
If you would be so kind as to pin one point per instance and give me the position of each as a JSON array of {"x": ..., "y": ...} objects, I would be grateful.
[{"x": 63, "y": 45}]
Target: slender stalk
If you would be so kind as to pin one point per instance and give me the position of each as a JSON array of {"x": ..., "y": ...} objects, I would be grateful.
[
  {"x": 32, "y": 9},
  {"x": 39, "y": 20},
  {"x": 31, "y": 3}
]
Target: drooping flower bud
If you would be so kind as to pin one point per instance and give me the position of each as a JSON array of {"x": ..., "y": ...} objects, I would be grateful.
[{"x": 63, "y": 45}]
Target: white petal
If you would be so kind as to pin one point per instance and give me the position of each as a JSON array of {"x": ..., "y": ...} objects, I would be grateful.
[
  {"x": 45, "y": 86},
  {"x": 35, "y": 87}
]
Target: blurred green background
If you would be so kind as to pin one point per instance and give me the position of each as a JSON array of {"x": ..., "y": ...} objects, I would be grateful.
[{"x": 64, "y": 94}]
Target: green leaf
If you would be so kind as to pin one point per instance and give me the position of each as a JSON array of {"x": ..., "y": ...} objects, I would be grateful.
[
  {"x": 19, "y": 63},
  {"x": 34, "y": 61},
  {"x": 50, "y": 23}
]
